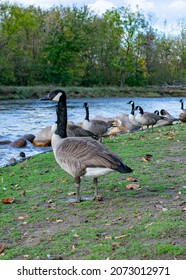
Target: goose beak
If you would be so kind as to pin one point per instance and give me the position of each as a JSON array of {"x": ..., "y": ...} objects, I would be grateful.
[{"x": 46, "y": 97}]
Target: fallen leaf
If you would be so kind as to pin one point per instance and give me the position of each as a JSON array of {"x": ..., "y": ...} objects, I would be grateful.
[
  {"x": 148, "y": 225},
  {"x": 121, "y": 236},
  {"x": 133, "y": 187},
  {"x": 26, "y": 256},
  {"x": 114, "y": 244},
  {"x": 22, "y": 217},
  {"x": 73, "y": 247},
  {"x": 132, "y": 179},
  {"x": 144, "y": 159},
  {"x": 2, "y": 247},
  {"x": 160, "y": 208},
  {"x": 8, "y": 200},
  {"x": 72, "y": 193},
  {"x": 64, "y": 180},
  {"x": 59, "y": 221},
  {"x": 99, "y": 198},
  {"x": 147, "y": 157},
  {"x": 108, "y": 237},
  {"x": 76, "y": 235}
]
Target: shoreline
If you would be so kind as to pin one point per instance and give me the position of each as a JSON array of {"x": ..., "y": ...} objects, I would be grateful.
[{"x": 35, "y": 92}]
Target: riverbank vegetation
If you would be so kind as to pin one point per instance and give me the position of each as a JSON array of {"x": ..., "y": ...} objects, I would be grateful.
[
  {"x": 77, "y": 47},
  {"x": 27, "y": 92},
  {"x": 141, "y": 216}
]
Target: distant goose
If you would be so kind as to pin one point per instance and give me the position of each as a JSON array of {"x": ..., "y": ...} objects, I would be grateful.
[
  {"x": 146, "y": 118},
  {"x": 166, "y": 114},
  {"x": 168, "y": 119},
  {"x": 97, "y": 127},
  {"x": 132, "y": 116},
  {"x": 81, "y": 156},
  {"x": 182, "y": 116}
]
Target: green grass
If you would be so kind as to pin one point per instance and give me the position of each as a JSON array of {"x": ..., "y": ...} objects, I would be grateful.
[{"x": 148, "y": 223}]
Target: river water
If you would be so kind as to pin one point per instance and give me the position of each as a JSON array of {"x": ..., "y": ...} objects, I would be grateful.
[{"x": 19, "y": 117}]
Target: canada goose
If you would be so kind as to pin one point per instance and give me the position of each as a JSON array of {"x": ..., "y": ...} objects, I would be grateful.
[
  {"x": 168, "y": 119},
  {"x": 97, "y": 127},
  {"x": 146, "y": 118},
  {"x": 182, "y": 116},
  {"x": 166, "y": 114},
  {"x": 132, "y": 115},
  {"x": 80, "y": 156}
]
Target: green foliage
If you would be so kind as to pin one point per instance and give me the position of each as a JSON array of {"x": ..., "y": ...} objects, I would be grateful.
[{"x": 73, "y": 46}]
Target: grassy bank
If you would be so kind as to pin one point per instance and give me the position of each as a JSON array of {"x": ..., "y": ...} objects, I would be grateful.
[
  {"x": 13, "y": 92},
  {"x": 145, "y": 222}
]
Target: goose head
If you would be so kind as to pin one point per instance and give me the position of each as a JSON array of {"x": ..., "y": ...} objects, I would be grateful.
[
  {"x": 157, "y": 112},
  {"x": 85, "y": 105},
  {"x": 163, "y": 112},
  {"x": 55, "y": 95},
  {"x": 130, "y": 102},
  {"x": 139, "y": 108}
]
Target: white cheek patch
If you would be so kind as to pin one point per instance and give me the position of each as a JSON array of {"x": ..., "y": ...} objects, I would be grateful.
[{"x": 56, "y": 98}]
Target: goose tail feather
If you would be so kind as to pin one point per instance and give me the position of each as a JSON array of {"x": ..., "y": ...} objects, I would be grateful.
[{"x": 124, "y": 169}]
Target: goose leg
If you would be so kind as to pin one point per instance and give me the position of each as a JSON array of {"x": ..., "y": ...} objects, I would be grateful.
[
  {"x": 95, "y": 182},
  {"x": 77, "y": 184}
]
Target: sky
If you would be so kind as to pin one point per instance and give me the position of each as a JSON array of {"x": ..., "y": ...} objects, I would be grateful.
[{"x": 170, "y": 11}]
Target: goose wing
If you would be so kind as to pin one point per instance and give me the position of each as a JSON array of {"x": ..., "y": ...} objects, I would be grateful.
[{"x": 77, "y": 154}]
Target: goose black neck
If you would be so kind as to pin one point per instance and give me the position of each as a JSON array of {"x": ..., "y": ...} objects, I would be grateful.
[
  {"x": 181, "y": 104},
  {"x": 62, "y": 117},
  {"x": 141, "y": 110},
  {"x": 133, "y": 106},
  {"x": 132, "y": 112},
  {"x": 87, "y": 113}
]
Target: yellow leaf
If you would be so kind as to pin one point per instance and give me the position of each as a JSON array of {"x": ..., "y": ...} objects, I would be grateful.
[
  {"x": 108, "y": 237},
  {"x": 114, "y": 244},
  {"x": 73, "y": 247},
  {"x": 121, "y": 236}
]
